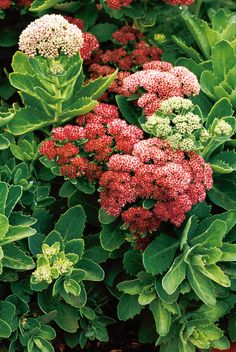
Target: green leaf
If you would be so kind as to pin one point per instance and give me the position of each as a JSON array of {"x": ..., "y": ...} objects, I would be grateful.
[
  {"x": 14, "y": 195},
  {"x": 16, "y": 233},
  {"x": 6, "y": 116},
  {"x": 28, "y": 119},
  {"x": 5, "y": 329},
  {"x": 16, "y": 258},
  {"x": 223, "y": 192},
  {"x": 105, "y": 218},
  {"x": 4, "y": 142},
  {"x": 93, "y": 271},
  {"x": 112, "y": 236},
  {"x": 133, "y": 262},
  {"x": 214, "y": 273},
  {"x": 228, "y": 252},
  {"x": 94, "y": 250},
  {"x": 4, "y": 226},
  {"x": 222, "y": 108},
  {"x": 41, "y": 5},
  {"x": 190, "y": 51},
  {"x": 103, "y": 31},
  {"x": 201, "y": 285},
  {"x": 208, "y": 83},
  {"x": 75, "y": 246},
  {"x": 97, "y": 87},
  {"x": 169, "y": 299},
  {"x": 3, "y": 198},
  {"x": 175, "y": 275},
  {"x": 131, "y": 287},
  {"x": 21, "y": 63},
  {"x": 71, "y": 224},
  {"x": 80, "y": 107},
  {"x": 223, "y": 59},
  {"x": 159, "y": 254},
  {"x": 161, "y": 316},
  {"x": 229, "y": 158},
  {"x": 128, "y": 307},
  {"x": 229, "y": 217},
  {"x": 213, "y": 236},
  {"x": 196, "y": 28},
  {"x": 220, "y": 167},
  {"x": 67, "y": 189},
  {"x": 127, "y": 110}
]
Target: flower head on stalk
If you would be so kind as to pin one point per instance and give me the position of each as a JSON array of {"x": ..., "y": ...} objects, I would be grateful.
[{"x": 49, "y": 35}]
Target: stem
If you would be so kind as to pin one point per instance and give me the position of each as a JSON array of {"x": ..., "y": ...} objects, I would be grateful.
[
  {"x": 198, "y": 4},
  {"x": 58, "y": 106}
]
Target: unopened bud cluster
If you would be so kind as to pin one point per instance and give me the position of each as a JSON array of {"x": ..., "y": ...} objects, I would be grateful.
[
  {"x": 176, "y": 123},
  {"x": 51, "y": 264}
]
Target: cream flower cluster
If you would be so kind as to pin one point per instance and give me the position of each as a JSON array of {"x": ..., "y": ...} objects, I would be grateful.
[
  {"x": 49, "y": 35},
  {"x": 175, "y": 122}
]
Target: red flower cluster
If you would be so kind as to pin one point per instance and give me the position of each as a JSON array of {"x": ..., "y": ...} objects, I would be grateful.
[
  {"x": 4, "y": 4},
  {"x": 117, "y": 4},
  {"x": 90, "y": 41},
  {"x": 161, "y": 81},
  {"x": 106, "y": 133},
  {"x": 22, "y": 3},
  {"x": 127, "y": 34},
  {"x": 126, "y": 59},
  {"x": 179, "y": 2},
  {"x": 174, "y": 180},
  {"x": 77, "y": 21},
  {"x": 100, "y": 133}
]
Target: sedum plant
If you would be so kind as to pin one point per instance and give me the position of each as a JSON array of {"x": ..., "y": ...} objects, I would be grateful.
[
  {"x": 215, "y": 63},
  {"x": 48, "y": 75}
]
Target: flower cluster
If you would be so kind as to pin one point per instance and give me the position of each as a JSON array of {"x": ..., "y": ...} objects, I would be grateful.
[
  {"x": 83, "y": 149},
  {"x": 49, "y": 35},
  {"x": 5, "y": 4},
  {"x": 25, "y": 3},
  {"x": 117, "y": 4},
  {"x": 131, "y": 54},
  {"x": 174, "y": 180},
  {"x": 223, "y": 128},
  {"x": 90, "y": 42},
  {"x": 51, "y": 264},
  {"x": 179, "y": 2},
  {"x": 127, "y": 34},
  {"x": 161, "y": 81},
  {"x": 176, "y": 123}
]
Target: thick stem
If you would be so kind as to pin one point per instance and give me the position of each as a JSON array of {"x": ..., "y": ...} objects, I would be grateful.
[{"x": 58, "y": 95}]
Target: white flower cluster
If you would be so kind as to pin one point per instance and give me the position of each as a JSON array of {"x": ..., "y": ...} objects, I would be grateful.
[
  {"x": 175, "y": 122},
  {"x": 49, "y": 35},
  {"x": 223, "y": 128},
  {"x": 175, "y": 104},
  {"x": 43, "y": 273}
]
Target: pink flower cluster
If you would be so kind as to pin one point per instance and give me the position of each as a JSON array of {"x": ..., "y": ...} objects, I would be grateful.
[
  {"x": 174, "y": 180},
  {"x": 98, "y": 135},
  {"x": 90, "y": 42},
  {"x": 117, "y": 4},
  {"x": 161, "y": 81},
  {"x": 179, "y": 2}
]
